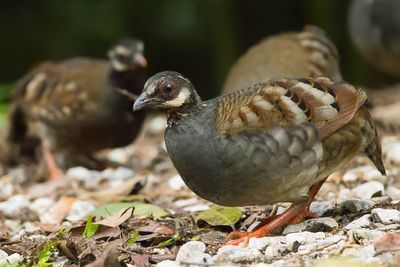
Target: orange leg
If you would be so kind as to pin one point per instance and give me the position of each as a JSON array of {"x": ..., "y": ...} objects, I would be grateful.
[
  {"x": 55, "y": 172},
  {"x": 296, "y": 213}
]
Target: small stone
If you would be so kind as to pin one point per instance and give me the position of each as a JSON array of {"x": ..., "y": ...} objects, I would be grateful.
[
  {"x": 13, "y": 225},
  {"x": 29, "y": 227},
  {"x": 363, "y": 253},
  {"x": 119, "y": 155},
  {"x": 367, "y": 234},
  {"x": 41, "y": 205},
  {"x": 368, "y": 190},
  {"x": 237, "y": 254},
  {"x": 3, "y": 254},
  {"x": 366, "y": 173},
  {"x": 306, "y": 249},
  {"x": 176, "y": 182},
  {"x": 192, "y": 253},
  {"x": 120, "y": 173},
  {"x": 304, "y": 237},
  {"x": 13, "y": 258},
  {"x": 356, "y": 206},
  {"x": 322, "y": 207},
  {"x": 80, "y": 210},
  {"x": 361, "y": 222},
  {"x": 263, "y": 242},
  {"x": 312, "y": 225},
  {"x": 381, "y": 199},
  {"x": 393, "y": 192},
  {"x": 168, "y": 263},
  {"x": 14, "y": 205},
  {"x": 386, "y": 216},
  {"x": 391, "y": 149},
  {"x": 82, "y": 174},
  {"x": 157, "y": 125}
]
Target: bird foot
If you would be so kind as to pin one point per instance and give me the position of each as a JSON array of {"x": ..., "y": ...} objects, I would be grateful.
[
  {"x": 55, "y": 172},
  {"x": 305, "y": 214}
]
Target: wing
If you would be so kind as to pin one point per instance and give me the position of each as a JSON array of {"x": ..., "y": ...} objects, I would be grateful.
[
  {"x": 62, "y": 93},
  {"x": 325, "y": 104}
]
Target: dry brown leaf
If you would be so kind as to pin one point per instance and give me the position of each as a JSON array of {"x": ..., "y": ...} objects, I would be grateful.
[
  {"x": 46, "y": 189},
  {"x": 113, "y": 194},
  {"x": 109, "y": 257},
  {"x": 141, "y": 260},
  {"x": 117, "y": 218},
  {"x": 157, "y": 228},
  {"x": 61, "y": 209}
]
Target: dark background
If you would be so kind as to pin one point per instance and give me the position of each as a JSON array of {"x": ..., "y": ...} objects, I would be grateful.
[{"x": 200, "y": 38}]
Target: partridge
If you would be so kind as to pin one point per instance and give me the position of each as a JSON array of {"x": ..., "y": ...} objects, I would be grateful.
[
  {"x": 374, "y": 27},
  {"x": 292, "y": 54},
  {"x": 74, "y": 108},
  {"x": 274, "y": 141}
]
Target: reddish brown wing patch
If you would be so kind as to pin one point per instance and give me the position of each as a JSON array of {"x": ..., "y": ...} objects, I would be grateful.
[{"x": 287, "y": 102}]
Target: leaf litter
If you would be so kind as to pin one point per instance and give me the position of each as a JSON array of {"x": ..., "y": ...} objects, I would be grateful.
[{"x": 144, "y": 214}]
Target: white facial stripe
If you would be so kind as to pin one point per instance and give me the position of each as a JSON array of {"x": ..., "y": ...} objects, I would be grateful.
[
  {"x": 122, "y": 50},
  {"x": 183, "y": 78},
  {"x": 179, "y": 100},
  {"x": 118, "y": 65}
]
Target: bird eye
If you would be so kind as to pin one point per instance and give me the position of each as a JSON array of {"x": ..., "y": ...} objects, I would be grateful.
[{"x": 168, "y": 88}]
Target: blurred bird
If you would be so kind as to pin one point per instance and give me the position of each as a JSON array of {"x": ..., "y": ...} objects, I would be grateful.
[
  {"x": 74, "y": 108},
  {"x": 291, "y": 54},
  {"x": 374, "y": 27}
]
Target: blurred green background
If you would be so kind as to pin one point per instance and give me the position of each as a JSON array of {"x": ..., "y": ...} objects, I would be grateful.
[{"x": 200, "y": 38}]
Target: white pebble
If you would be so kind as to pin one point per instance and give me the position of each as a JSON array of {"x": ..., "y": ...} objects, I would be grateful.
[
  {"x": 82, "y": 174},
  {"x": 41, "y": 205},
  {"x": 368, "y": 190},
  {"x": 391, "y": 149},
  {"x": 176, "y": 182},
  {"x": 367, "y": 173},
  {"x": 192, "y": 253},
  {"x": 236, "y": 254},
  {"x": 157, "y": 125},
  {"x": 13, "y": 258},
  {"x": 386, "y": 216},
  {"x": 263, "y": 242},
  {"x": 361, "y": 222},
  {"x": 393, "y": 192},
  {"x": 168, "y": 263},
  {"x": 80, "y": 210},
  {"x": 12, "y": 207}
]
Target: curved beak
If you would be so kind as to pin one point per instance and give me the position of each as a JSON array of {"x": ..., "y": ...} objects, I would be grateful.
[
  {"x": 143, "y": 101},
  {"x": 140, "y": 60},
  {"x": 140, "y": 102}
]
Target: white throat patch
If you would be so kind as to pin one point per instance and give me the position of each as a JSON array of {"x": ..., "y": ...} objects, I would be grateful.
[{"x": 178, "y": 101}]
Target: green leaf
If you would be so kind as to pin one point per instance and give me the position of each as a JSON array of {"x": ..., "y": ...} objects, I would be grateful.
[
  {"x": 45, "y": 254},
  {"x": 168, "y": 242},
  {"x": 217, "y": 216},
  {"x": 90, "y": 228},
  {"x": 132, "y": 239},
  {"x": 140, "y": 209}
]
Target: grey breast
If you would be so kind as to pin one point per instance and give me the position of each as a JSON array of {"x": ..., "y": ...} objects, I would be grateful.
[{"x": 243, "y": 169}]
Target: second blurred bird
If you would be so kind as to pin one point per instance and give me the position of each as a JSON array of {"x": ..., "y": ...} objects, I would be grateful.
[
  {"x": 74, "y": 108},
  {"x": 286, "y": 55}
]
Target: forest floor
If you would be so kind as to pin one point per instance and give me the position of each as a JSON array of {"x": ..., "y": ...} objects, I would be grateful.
[{"x": 141, "y": 213}]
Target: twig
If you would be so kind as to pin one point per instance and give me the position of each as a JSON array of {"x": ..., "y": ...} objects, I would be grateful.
[
  {"x": 128, "y": 94},
  {"x": 11, "y": 242}
]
